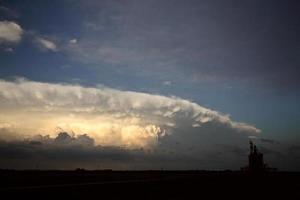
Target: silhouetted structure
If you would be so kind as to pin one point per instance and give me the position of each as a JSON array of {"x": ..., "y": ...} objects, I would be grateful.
[{"x": 256, "y": 159}]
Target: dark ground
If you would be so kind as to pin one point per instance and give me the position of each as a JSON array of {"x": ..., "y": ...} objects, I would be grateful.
[{"x": 149, "y": 185}]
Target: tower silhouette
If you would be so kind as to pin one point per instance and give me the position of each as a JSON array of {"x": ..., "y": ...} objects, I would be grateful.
[{"x": 256, "y": 161}]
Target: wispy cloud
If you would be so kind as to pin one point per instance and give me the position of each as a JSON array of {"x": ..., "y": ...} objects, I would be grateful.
[
  {"x": 12, "y": 33},
  {"x": 167, "y": 83},
  {"x": 46, "y": 44},
  {"x": 73, "y": 41}
]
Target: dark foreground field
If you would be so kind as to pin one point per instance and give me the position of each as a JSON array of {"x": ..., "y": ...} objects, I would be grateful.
[{"x": 149, "y": 185}]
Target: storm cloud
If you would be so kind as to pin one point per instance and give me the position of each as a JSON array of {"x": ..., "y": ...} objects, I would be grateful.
[
  {"x": 66, "y": 151},
  {"x": 110, "y": 116},
  {"x": 186, "y": 84},
  {"x": 70, "y": 125},
  {"x": 35, "y": 111}
]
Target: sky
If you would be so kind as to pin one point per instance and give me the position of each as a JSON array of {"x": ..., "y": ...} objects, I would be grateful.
[{"x": 140, "y": 84}]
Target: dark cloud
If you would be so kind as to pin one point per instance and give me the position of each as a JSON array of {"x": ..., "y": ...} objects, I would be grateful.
[
  {"x": 268, "y": 151},
  {"x": 63, "y": 138},
  {"x": 7, "y": 13},
  {"x": 253, "y": 42},
  {"x": 295, "y": 149},
  {"x": 66, "y": 151},
  {"x": 270, "y": 141},
  {"x": 238, "y": 150},
  {"x": 69, "y": 152}
]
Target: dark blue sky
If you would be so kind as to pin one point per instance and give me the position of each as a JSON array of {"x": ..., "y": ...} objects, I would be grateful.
[{"x": 238, "y": 57}]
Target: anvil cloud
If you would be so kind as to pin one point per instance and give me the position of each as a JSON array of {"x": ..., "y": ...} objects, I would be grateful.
[{"x": 109, "y": 116}]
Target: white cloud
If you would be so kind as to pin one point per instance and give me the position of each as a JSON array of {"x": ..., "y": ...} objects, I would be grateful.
[
  {"x": 46, "y": 44},
  {"x": 111, "y": 117},
  {"x": 167, "y": 83},
  {"x": 10, "y": 32},
  {"x": 73, "y": 41}
]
